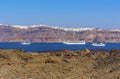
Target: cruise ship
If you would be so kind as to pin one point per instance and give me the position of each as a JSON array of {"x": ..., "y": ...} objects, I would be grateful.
[
  {"x": 25, "y": 43},
  {"x": 76, "y": 42},
  {"x": 98, "y": 44}
]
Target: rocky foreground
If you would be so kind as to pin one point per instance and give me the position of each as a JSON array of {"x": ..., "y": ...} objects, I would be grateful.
[{"x": 84, "y": 64}]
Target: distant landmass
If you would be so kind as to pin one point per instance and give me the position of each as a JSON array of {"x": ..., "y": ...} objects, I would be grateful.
[{"x": 46, "y": 33}]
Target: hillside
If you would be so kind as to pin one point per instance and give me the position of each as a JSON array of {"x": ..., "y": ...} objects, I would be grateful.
[
  {"x": 44, "y": 33},
  {"x": 84, "y": 64}
]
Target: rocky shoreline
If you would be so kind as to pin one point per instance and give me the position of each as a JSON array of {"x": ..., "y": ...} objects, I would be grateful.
[{"x": 82, "y": 64}]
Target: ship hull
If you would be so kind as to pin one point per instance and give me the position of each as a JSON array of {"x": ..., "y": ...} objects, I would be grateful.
[
  {"x": 95, "y": 44},
  {"x": 69, "y": 43}
]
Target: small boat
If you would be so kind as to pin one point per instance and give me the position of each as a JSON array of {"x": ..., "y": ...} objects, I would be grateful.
[
  {"x": 25, "y": 43},
  {"x": 76, "y": 42},
  {"x": 98, "y": 44}
]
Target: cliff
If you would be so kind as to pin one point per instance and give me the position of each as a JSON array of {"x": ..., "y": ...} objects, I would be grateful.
[{"x": 44, "y": 33}]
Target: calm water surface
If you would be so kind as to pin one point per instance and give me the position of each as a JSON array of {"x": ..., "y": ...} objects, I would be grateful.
[{"x": 38, "y": 47}]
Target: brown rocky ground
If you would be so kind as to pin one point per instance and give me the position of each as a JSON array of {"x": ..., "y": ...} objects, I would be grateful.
[{"x": 17, "y": 64}]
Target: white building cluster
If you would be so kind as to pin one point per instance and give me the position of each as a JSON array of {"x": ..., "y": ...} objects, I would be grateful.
[
  {"x": 54, "y": 27},
  {"x": 77, "y": 29}
]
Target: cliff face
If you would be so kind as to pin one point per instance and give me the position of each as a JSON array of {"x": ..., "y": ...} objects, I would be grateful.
[
  {"x": 48, "y": 34},
  {"x": 103, "y": 36}
]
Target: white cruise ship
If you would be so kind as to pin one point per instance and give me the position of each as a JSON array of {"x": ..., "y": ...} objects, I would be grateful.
[
  {"x": 76, "y": 42},
  {"x": 98, "y": 44},
  {"x": 25, "y": 43}
]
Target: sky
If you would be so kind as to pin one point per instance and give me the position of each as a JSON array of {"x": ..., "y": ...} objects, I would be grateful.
[{"x": 103, "y": 14}]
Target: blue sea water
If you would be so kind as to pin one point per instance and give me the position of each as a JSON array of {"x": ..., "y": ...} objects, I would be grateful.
[{"x": 39, "y": 47}]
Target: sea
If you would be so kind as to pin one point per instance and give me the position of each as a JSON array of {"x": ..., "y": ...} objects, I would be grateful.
[{"x": 42, "y": 47}]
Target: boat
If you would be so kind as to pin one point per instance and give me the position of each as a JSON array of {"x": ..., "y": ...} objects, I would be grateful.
[
  {"x": 76, "y": 42},
  {"x": 25, "y": 43},
  {"x": 98, "y": 44}
]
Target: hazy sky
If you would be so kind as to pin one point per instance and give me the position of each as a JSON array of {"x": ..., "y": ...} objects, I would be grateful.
[{"x": 66, "y": 13}]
